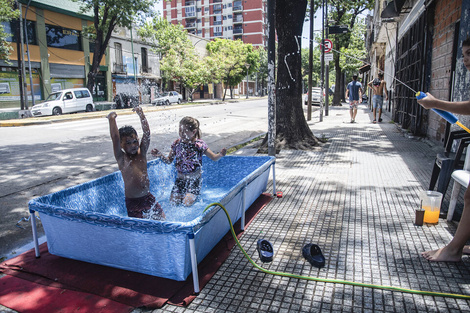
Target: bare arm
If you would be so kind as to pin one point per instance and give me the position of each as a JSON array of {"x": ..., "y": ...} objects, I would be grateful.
[
  {"x": 385, "y": 90},
  {"x": 156, "y": 153},
  {"x": 213, "y": 156},
  {"x": 461, "y": 107},
  {"x": 114, "y": 132},
  {"x": 145, "y": 142}
]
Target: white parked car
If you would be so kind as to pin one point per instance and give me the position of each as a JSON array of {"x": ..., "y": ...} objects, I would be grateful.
[
  {"x": 65, "y": 101},
  {"x": 316, "y": 95},
  {"x": 168, "y": 98}
]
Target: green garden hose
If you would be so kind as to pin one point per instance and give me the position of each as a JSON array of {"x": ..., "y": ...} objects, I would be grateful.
[{"x": 334, "y": 281}]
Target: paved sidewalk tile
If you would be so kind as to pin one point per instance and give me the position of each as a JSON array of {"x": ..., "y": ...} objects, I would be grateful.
[{"x": 355, "y": 197}]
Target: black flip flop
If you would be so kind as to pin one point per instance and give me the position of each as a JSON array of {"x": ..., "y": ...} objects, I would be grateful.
[
  {"x": 265, "y": 250},
  {"x": 313, "y": 254}
]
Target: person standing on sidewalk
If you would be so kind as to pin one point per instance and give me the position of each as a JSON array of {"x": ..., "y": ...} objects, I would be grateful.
[
  {"x": 354, "y": 93},
  {"x": 453, "y": 251},
  {"x": 379, "y": 87}
]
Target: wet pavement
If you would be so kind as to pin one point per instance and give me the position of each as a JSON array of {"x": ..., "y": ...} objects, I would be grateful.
[{"x": 355, "y": 197}]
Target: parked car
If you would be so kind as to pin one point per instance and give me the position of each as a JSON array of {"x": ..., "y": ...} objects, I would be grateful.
[
  {"x": 168, "y": 98},
  {"x": 316, "y": 96},
  {"x": 65, "y": 101}
]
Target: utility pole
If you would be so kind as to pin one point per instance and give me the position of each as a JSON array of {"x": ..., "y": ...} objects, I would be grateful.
[
  {"x": 29, "y": 59},
  {"x": 322, "y": 86},
  {"x": 327, "y": 85},
  {"x": 310, "y": 63},
  {"x": 271, "y": 80},
  {"x": 20, "y": 54}
]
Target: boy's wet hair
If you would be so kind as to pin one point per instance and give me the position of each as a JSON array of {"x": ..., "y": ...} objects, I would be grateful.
[
  {"x": 466, "y": 42},
  {"x": 381, "y": 74},
  {"x": 127, "y": 131},
  {"x": 191, "y": 123}
]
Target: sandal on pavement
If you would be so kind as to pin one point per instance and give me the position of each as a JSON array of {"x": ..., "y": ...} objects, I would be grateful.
[
  {"x": 313, "y": 254},
  {"x": 265, "y": 250}
]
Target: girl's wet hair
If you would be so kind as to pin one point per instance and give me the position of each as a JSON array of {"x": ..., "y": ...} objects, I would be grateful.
[
  {"x": 466, "y": 42},
  {"x": 127, "y": 131},
  {"x": 192, "y": 124}
]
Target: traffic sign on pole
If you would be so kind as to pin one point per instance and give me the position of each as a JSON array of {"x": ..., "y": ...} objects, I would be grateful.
[{"x": 328, "y": 45}]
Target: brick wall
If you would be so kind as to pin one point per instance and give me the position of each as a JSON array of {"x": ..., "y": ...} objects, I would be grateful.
[{"x": 447, "y": 13}]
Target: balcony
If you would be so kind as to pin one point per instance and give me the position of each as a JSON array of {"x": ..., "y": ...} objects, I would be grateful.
[
  {"x": 189, "y": 2},
  {"x": 237, "y": 30},
  {"x": 237, "y": 8},
  {"x": 237, "y": 19},
  {"x": 120, "y": 68}
]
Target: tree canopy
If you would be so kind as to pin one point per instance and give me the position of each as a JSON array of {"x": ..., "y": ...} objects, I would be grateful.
[
  {"x": 346, "y": 12},
  {"x": 230, "y": 60},
  {"x": 107, "y": 14},
  {"x": 179, "y": 60},
  {"x": 7, "y": 13}
]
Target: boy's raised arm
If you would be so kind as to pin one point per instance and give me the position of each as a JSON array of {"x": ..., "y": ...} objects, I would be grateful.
[
  {"x": 145, "y": 142},
  {"x": 114, "y": 132}
]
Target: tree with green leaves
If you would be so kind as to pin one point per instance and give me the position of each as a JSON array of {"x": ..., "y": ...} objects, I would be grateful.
[
  {"x": 7, "y": 13},
  {"x": 229, "y": 61},
  {"x": 316, "y": 67},
  {"x": 179, "y": 60},
  {"x": 107, "y": 14},
  {"x": 263, "y": 69},
  {"x": 346, "y": 12}
]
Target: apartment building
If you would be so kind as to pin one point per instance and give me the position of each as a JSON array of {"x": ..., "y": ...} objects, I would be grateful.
[{"x": 241, "y": 19}]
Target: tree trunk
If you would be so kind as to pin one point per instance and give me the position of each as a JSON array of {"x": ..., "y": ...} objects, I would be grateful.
[{"x": 292, "y": 130}]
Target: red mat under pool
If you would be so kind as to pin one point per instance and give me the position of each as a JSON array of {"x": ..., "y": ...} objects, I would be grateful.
[{"x": 52, "y": 284}]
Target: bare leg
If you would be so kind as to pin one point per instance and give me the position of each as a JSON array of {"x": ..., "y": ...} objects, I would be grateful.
[
  {"x": 176, "y": 198},
  {"x": 354, "y": 113},
  {"x": 453, "y": 251},
  {"x": 189, "y": 199},
  {"x": 373, "y": 112},
  {"x": 466, "y": 250}
]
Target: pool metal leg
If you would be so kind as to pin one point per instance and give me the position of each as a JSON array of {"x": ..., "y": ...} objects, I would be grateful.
[
  {"x": 274, "y": 179},
  {"x": 242, "y": 222},
  {"x": 35, "y": 233},
  {"x": 192, "y": 251}
]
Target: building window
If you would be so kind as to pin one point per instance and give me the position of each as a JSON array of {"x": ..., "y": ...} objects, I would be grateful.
[
  {"x": 190, "y": 11},
  {"x": 145, "y": 61},
  {"x": 218, "y": 20},
  {"x": 11, "y": 27},
  {"x": 118, "y": 65},
  {"x": 218, "y": 31},
  {"x": 65, "y": 38}
]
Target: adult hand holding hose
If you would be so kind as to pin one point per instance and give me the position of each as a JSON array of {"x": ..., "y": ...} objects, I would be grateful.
[{"x": 449, "y": 117}]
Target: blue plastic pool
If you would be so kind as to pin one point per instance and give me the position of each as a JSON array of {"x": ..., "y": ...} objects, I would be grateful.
[{"x": 88, "y": 222}]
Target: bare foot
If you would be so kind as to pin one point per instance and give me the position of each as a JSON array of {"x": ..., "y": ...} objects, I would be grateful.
[
  {"x": 466, "y": 250},
  {"x": 441, "y": 255}
]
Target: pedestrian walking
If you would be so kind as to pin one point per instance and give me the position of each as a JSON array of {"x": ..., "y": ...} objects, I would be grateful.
[
  {"x": 354, "y": 93},
  {"x": 379, "y": 88}
]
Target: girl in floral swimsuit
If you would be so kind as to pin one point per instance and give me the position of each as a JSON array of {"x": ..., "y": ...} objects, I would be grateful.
[{"x": 188, "y": 151}]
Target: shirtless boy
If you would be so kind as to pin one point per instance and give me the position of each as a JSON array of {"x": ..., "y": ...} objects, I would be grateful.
[
  {"x": 131, "y": 158},
  {"x": 379, "y": 87}
]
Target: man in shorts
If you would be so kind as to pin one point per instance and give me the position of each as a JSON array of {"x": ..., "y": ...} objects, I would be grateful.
[
  {"x": 354, "y": 93},
  {"x": 379, "y": 87}
]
